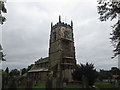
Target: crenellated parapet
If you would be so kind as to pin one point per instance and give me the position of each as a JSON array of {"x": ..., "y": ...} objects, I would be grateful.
[{"x": 61, "y": 24}]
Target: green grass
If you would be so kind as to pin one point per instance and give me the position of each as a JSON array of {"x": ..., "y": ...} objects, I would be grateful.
[
  {"x": 21, "y": 88},
  {"x": 72, "y": 86},
  {"x": 97, "y": 84},
  {"x": 42, "y": 85},
  {"x": 104, "y": 85},
  {"x": 39, "y": 85}
]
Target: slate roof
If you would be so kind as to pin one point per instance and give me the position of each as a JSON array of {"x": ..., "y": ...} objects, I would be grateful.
[
  {"x": 35, "y": 68},
  {"x": 38, "y": 70}
]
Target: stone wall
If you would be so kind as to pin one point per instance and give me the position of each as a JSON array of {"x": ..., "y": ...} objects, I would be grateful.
[{"x": 39, "y": 76}]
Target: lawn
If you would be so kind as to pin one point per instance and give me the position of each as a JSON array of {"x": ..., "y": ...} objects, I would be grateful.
[
  {"x": 39, "y": 85},
  {"x": 104, "y": 85},
  {"x": 21, "y": 88},
  {"x": 73, "y": 86},
  {"x": 97, "y": 84},
  {"x": 42, "y": 85}
]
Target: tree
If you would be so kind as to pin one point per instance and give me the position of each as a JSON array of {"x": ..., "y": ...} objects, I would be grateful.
[
  {"x": 1, "y": 54},
  {"x": 2, "y": 19},
  {"x": 85, "y": 73},
  {"x": 7, "y": 70},
  {"x": 14, "y": 72},
  {"x": 2, "y": 10},
  {"x": 104, "y": 74},
  {"x": 115, "y": 71},
  {"x": 24, "y": 70},
  {"x": 111, "y": 10},
  {"x": 7, "y": 74}
]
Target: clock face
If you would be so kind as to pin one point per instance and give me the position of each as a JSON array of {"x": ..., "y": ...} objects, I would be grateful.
[{"x": 65, "y": 33}]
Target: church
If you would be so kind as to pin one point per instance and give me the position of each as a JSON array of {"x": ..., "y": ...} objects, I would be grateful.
[{"x": 61, "y": 60}]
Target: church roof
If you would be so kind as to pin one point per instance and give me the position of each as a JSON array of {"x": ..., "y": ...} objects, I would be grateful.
[
  {"x": 35, "y": 68},
  {"x": 42, "y": 60},
  {"x": 39, "y": 70}
]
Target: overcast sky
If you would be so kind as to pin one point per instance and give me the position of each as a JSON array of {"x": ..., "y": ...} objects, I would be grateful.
[{"x": 25, "y": 34}]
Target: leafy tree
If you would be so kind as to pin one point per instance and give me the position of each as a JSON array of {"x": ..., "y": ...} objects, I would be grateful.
[
  {"x": 104, "y": 74},
  {"x": 2, "y": 10},
  {"x": 2, "y": 19},
  {"x": 85, "y": 73},
  {"x": 111, "y": 10},
  {"x": 7, "y": 70},
  {"x": 7, "y": 75},
  {"x": 1, "y": 54},
  {"x": 115, "y": 71},
  {"x": 24, "y": 70},
  {"x": 14, "y": 72},
  {"x": 76, "y": 75}
]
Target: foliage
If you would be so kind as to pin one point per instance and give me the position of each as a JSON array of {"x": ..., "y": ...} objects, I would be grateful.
[
  {"x": 4, "y": 10},
  {"x": 103, "y": 74},
  {"x": 115, "y": 71},
  {"x": 7, "y": 70},
  {"x": 24, "y": 70},
  {"x": 87, "y": 72},
  {"x": 2, "y": 56},
  {"x": 14, "y": 72},
  {"x": 76, "y": 74},
  {"x": 111, "y": 10}
]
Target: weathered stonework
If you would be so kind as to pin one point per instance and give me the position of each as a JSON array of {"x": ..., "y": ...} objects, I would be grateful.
[{"x": 62, "y": 51}]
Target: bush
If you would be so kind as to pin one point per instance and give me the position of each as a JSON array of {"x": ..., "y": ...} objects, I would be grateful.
[{"x": 85, "y": 73}]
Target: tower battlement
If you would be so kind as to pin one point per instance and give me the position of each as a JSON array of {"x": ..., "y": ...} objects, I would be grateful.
[{"x": 62, "y": 24}]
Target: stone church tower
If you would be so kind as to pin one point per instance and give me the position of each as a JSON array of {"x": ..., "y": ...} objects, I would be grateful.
[{"x": 62, "y": 59}]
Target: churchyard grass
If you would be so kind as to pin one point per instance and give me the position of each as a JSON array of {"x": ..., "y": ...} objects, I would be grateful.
[
  {"x": 73, "y": 86},
  {"x": 69, "y": 85},
  {"x": 104, "y": 85},
  {"x": 39, "y": 85}
]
